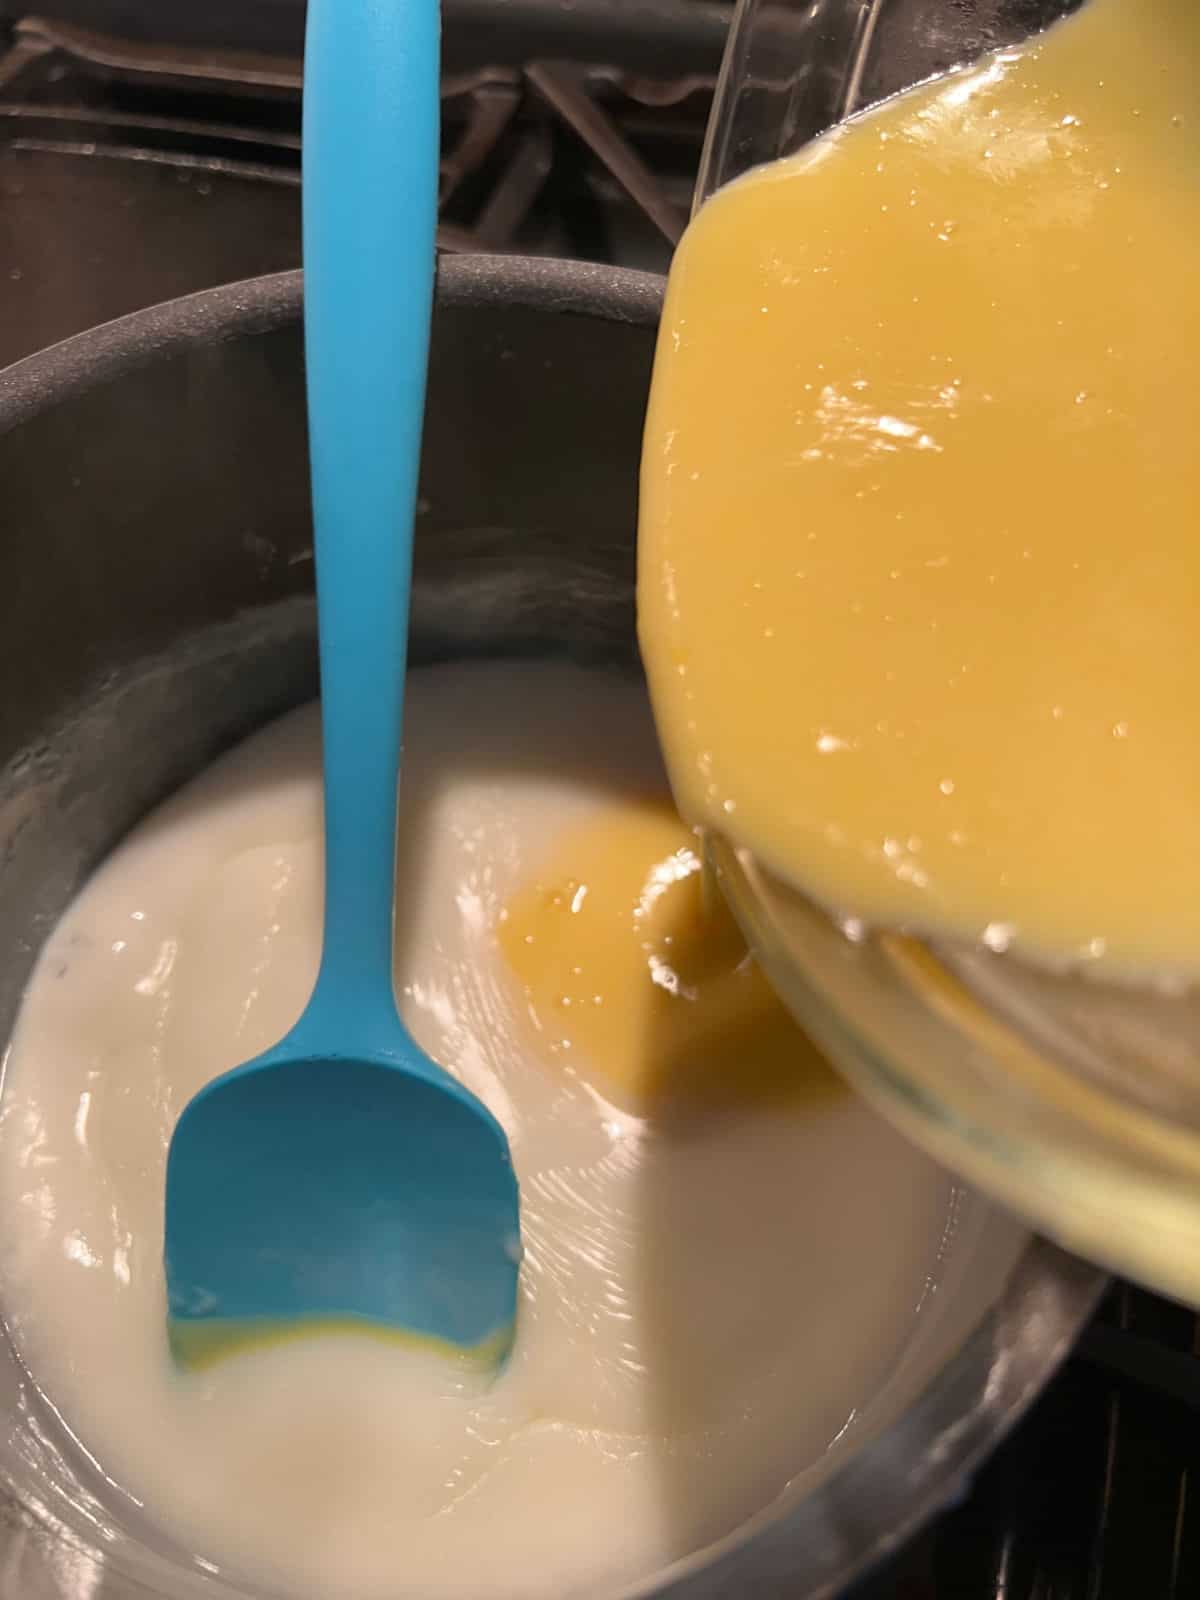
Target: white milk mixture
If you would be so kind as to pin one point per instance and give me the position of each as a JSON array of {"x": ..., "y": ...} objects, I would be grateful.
[{"x": 703, "y": 1308}]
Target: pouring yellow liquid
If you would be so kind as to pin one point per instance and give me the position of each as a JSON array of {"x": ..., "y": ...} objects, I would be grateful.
[
  {"x": 919, "y": 582},
  {"x": 632, "y": 975}
]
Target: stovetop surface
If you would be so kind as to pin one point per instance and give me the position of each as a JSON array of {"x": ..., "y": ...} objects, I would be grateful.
[
  {"x": 131, "y": 171},
  {"x": 143, "y": 156}
]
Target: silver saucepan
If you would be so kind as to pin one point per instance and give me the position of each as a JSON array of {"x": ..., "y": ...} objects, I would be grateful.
[{"x": 156, "y": 605}]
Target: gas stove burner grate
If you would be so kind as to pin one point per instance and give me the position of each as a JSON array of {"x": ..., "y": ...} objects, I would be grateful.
[{"x": 591, "y": 158}]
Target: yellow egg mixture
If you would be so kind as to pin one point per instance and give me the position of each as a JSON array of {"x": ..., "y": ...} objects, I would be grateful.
[
  {"x": 920, "y": 570},
  {"x": 630, "y": 966}
]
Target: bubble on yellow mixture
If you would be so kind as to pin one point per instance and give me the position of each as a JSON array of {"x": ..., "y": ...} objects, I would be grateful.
[{"x": 640, "y": 983}]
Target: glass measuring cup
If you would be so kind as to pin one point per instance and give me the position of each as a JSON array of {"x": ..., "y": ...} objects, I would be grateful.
[{"x": 1076, "y": 1102}]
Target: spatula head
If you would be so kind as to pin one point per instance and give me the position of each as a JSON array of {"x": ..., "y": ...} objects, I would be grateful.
[{"x": 322, "y": 1190}]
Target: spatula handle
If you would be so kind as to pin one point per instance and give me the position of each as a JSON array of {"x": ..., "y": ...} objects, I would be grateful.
[{"x": 371, "y": 120}]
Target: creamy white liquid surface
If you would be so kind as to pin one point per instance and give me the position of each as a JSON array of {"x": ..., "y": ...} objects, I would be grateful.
[{"x": 703, "y": 1311}]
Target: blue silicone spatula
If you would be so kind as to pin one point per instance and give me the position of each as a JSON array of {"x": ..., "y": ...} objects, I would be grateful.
[{"x": 344, "y": 1177}]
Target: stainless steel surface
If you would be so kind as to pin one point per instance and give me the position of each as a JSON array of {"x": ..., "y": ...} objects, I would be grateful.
[{"x": 149, "y": 150}]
